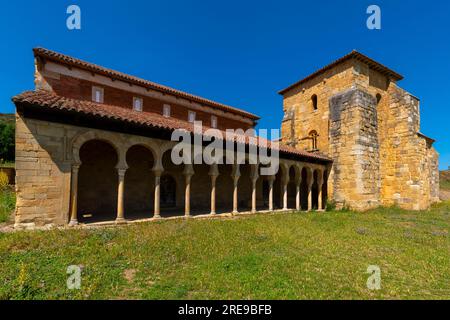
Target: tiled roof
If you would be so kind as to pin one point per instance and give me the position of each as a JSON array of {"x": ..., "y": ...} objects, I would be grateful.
[
  {"x": 47, "y": 100},
  {"x": 71, "y": 61},
  {"x": 352, "y": 55}
]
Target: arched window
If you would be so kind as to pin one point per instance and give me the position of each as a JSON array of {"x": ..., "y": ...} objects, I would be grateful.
[
  {"x": 313, "y": 136},
  {"x": 314, "y": 102},
  {"x": 378, "y": 98}
]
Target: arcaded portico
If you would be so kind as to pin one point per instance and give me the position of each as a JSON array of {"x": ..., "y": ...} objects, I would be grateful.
[{"x": 133, "y": 178}]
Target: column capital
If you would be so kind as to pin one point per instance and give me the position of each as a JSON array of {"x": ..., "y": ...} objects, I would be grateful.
[
  {"x": 236, "y": 172},
  {"x": 214, "y": 170},
  {"x": 254, "y": 172},
  {"x": 76, "y": 166},
  {"x": 121, "y": 171},
  {"x": 320, "y": 181},
  {"x": 158, "y": 172},
  {"x": 188, "y": 170}
]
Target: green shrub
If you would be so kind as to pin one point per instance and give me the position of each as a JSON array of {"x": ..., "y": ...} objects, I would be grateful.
[
  {"x": 4, "y": 181},
  {"x": 330, "y": 206},
  {"x": 7, "y": 141}
]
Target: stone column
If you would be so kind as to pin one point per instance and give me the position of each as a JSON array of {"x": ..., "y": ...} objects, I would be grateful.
[
  {"x": 254, "y": 196},
  {"x": 214, "y": 173},
  {"x": 297, "y": 197},
  {"x": 120, "y": 190},
  {"x": 271, "y": 179},
  {"x": 319, "y": 186},
  {"x": 254, "y": 177},
  {"x": 188, "y": 173},
  {"x": 74, "y": 196},
  {"x": 285, "y": 182},
  {"x": 157, "y": 206},
  {"x": 235, "y": 175},
  {"x": 310, "y": 183}
]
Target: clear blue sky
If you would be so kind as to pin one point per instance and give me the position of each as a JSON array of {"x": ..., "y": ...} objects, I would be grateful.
[{"x": 237, "y": 52}]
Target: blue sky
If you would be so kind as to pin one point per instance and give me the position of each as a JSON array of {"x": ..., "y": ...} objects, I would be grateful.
[{"x": 238, "y": 52}]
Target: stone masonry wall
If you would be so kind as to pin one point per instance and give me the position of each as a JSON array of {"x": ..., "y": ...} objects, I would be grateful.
[
  {"x": 43, "y": 173},
  {"x": 354, "y": 148}
]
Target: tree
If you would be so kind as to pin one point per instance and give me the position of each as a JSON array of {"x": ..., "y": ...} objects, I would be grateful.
[{"x": 7, "y": 141}]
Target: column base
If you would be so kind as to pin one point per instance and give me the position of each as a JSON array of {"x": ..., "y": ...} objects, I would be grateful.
[
  {"x": 213, "y": 213},
  {"x": 157, "y": 216},
  {"x": 73, "y": 223},
  {"x": 120, "y": 221}
]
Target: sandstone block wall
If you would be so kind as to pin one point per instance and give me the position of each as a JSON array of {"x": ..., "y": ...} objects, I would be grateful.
[
  {"x": 354, "y": 146},
  {"x": 43, "y": 173}
]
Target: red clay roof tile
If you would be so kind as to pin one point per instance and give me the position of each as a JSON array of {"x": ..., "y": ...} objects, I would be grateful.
[{"x": 51, "y": 101}]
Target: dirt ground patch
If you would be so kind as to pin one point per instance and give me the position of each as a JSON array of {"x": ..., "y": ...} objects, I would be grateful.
[{"x": 444, "y": 195}]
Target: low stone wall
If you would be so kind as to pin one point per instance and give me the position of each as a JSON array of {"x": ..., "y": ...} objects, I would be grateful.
[{"x": 10, "y": 173}]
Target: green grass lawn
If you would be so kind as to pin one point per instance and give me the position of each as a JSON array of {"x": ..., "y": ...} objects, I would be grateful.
[
  {"x": 7, "y": 164},
  {"x": 7, "y": 203},
  {"x": 280, "y": 256}
]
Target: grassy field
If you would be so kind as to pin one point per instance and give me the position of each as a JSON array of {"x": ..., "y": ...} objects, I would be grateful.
[
  {"x": 445, "y": 180},
  {"x": 7, "y": 165},
  {"x": 7, "y": 203},
  {"x": 280, "y": 256}
]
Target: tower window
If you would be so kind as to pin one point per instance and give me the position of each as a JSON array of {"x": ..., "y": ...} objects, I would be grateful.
[
  {"x": 313, "y": 137},
  {"x": 137, "y": 104},
  {"x": 97, "y": 94},
  {"x": 166, "y": 110},
  {"x": 191, "y": 116},
  {"x": 214, "y": 122},
  {"x": 314, "y": 102},
  {"x": 378, "y": 98}
]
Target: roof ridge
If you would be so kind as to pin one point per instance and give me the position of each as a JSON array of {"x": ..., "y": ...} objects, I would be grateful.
[
  {"x": 63, "y": 58},
  {"x": 353, "y": 54}
]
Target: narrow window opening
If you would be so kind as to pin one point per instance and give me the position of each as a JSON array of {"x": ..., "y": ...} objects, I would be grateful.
[
  {"x": 191, "y": 116},
  {"x": 378, "y": 98},
  {"x": 314, "y": 102},
  {"x": 137, "y": 104},
  {"x": 166, "y": 110},
  {"x": 97, "y": 94},
  {"x": 214, "y": 122},
  {"x": 313, "y": 137}
]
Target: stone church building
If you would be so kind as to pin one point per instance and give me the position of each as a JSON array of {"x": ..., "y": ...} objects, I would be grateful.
[
  {"x": 93, "y": 146},
  {"x": 354, "y": 112}
]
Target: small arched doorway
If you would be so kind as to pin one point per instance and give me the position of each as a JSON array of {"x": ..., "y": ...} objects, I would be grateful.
[
  {"x": 168, "y": 192},
  {"x": 325, "y": 190},
  {"x": 315, "y": 190},
  {"x": 97, "y": 182},
  {"x": 292, "y": 188},
  {"x": 304, "y": 190},
  {"x": 139, "y": 183}
]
